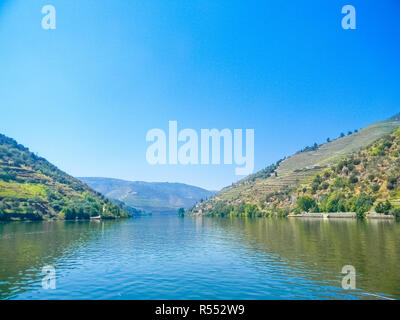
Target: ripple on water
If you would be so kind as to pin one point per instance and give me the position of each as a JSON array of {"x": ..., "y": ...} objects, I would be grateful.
[{"x": 174, "y": 258}]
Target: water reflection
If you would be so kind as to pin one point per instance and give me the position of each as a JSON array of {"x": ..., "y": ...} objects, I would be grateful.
[
  {"x": 200, "y": 258},
  {"x": 25, "y": 247},
  {"x": 322, "y": 247}
]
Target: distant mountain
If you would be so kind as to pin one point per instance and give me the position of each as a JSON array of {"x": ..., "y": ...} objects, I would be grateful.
[
  {"x": 356, "y": 172},
  {"x": 31, "y": 188},
  {"x": 152, "y": 197}
]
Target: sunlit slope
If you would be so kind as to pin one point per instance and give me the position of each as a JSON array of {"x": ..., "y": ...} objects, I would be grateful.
[
  {"x": 329, "y": 153},
  {"x": 31, "y": 188},
  {"x": 301, "y": 166}
]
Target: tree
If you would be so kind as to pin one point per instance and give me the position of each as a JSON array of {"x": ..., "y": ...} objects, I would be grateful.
[
  {"x": 221, "y": 209},
  {"x": 379, "y": 207},
  {"x": 251, "y": 210},
  {"x": 241, "y": 207},
  {"x": 386, "y": 207},
  {"x": 341, "y": 134},
  {"x": 69, "y": 213},
  {"x": 181, "y": 212},
  {"x": 362, "y": 204},
  {"x": 396, "y": 213},
  {"x": 332, "y": 205},
  {"x": 305, "y": 203},
  {"x": 328, "y": 139}
]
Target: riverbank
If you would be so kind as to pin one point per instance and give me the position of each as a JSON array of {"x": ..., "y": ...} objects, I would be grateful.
[{"x": 340, "y": 215}]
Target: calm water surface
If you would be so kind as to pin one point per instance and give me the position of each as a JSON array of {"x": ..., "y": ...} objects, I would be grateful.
[{"x": 167, "y": 257}]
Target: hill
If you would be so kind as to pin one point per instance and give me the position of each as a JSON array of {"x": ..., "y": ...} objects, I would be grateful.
[
  {"x": 277, "y": 188},
  {"x": 149, "y": 196},
  {"x": 31, "y": 188}
]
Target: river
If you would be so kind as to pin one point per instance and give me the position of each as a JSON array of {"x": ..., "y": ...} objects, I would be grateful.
[{"x": 169, "y": 257}]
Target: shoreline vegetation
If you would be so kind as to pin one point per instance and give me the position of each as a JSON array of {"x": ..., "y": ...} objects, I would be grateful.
[
  {"x": 341, "y": 215},
  {"x": 363, "y": 181},
  {"x": 253, "y": 212}
]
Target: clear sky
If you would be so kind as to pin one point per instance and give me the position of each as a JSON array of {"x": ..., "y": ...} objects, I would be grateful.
[{"x": 84, "y": 95}]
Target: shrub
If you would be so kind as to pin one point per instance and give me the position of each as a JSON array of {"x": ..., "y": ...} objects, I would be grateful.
[
  {"x": 327, "y": 174},
  {"x": 325, "y": 185},
  {"x": 360, "y": 214},
  {"x": 376, "y": 151},
  {"x": 340, "y": 182},
  {"x": 391, "y": 183},
  {"x": 353, "y": 179},
  {"x": 339, "y": 167},
  {"x": 375, "y": 187},
  {"x": 317, "y": 180},
  {"x": 282, "y": 213}
]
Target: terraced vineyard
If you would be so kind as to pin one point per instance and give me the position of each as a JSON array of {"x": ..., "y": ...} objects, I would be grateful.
[{"x": 277, "y": 188}]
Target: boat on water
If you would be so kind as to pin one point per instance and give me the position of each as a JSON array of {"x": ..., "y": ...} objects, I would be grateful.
[{"x": 95, "y": 218}]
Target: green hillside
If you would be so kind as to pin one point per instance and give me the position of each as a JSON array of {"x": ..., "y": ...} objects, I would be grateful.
[
  {"x": 31, "y": 188},
  {"x": 276, "y": 189},
  {"x": 149, "y": 196}
]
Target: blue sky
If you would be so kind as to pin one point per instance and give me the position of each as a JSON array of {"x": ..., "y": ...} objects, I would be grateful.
[{"x": 84, "y": 95}]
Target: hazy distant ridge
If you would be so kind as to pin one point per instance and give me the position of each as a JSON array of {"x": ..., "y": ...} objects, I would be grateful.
[{"x": 149, "y": 196}]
